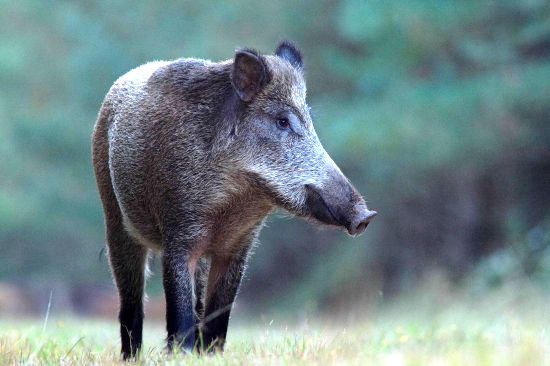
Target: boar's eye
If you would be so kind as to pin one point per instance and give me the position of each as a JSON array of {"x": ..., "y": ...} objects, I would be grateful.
[{"x": 283, "y": 123}]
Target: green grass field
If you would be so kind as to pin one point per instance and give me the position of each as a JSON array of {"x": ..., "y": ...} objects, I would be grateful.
[{"x": 514, "y": 334}]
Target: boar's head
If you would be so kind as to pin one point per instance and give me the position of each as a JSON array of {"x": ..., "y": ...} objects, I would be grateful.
[{"x": 276, "y": 141}]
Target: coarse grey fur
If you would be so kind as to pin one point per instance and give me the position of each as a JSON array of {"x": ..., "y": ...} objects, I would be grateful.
[{"x": 190, "y": 157}]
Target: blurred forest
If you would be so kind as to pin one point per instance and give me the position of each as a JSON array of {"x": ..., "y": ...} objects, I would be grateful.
[{"x": 438, "y": 111}]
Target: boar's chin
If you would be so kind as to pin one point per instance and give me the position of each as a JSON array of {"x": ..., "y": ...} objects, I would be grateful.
[{"x": 291, "y": 200}]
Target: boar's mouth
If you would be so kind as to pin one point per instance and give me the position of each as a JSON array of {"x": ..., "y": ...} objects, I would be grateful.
[
  {"x": 342, "y": 207},
  {"x": 317, "y": 207},
  {"x": 350, "y": 212}
]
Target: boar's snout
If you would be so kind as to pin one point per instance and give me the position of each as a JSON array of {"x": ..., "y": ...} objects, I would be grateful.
[
  {"x": 361, "y": 219},
  {"x": 339, "y": 205}
]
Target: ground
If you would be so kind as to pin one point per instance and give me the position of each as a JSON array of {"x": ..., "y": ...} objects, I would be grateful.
[{"x": 461, "y": 337}]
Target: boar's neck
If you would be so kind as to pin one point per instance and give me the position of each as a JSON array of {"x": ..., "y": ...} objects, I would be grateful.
[{"x": 201, "y": 95}]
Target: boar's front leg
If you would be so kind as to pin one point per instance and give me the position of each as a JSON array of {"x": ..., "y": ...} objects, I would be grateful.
[
  {"x": 223, "y": 283},
  {"x": 178, "y": 280},
  {"x": 201, "y": 281}
]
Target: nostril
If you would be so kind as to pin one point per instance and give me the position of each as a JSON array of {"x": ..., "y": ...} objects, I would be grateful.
[
  {"x": 359, "y": 225},
  {"x": 370, "y": 216}
]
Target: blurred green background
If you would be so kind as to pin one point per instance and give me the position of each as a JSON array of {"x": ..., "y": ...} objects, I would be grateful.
[{"x": 438, "y": 111}]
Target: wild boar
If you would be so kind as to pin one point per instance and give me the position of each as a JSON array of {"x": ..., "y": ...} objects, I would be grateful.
[{"x": 190, "y": 157}]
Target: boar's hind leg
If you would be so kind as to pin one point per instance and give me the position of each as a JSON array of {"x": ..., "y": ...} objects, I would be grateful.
[
  {"x": 128, "y": 261},
  {"x": 223, "y": 284},
  {"x": 178, "y": 281},
  {"x": 127, "y": 258}
]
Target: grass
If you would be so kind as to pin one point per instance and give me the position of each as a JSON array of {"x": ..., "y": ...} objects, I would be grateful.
[
  {"x": 463, "y": 339},
  {"x": 435, "y": 327}
]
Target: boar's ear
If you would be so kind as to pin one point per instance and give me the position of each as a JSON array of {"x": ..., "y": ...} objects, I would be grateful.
[
  {"x": 249, "y": 74},
  {"x": 288, "y": 51}
]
